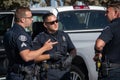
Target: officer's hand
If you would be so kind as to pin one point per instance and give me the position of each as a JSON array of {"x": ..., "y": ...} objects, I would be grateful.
[
  {"x": 49, "y": 45},
  {"x": 97, "y": 56},
  {"x": 55, "y": 56},
  {"x": 67, "y": 62}
]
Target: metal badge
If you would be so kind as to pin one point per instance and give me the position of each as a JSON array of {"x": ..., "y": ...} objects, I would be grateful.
[{"x": 35, "y": 39}]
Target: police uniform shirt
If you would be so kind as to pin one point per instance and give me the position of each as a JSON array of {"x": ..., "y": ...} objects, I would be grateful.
[
  {"x": 64, "y": 42},
  {"x": 64, "y": 45},
  {"x": 111, "y": 36},
  {"x": 15, "y": 41}
]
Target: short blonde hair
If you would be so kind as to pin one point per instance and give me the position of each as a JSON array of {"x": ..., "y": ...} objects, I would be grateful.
[
  {"x": 115, "y": 6},
  {"x": 21, "y": 12}
]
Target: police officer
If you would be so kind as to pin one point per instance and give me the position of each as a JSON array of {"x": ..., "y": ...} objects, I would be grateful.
[
  {"x": 19, "y": 48},
  {"x": 108, "y": 45},
  {"x": 57, "y": 69}
]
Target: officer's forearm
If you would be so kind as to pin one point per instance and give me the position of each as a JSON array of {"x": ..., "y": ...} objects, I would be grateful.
[
  {"x": 42, "y": 57},
  {"x": 99, "y": 45},
  {"x": 28, "y": 55}
]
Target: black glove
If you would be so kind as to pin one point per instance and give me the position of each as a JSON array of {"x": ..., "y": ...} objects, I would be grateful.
[
  {"x": 55, "y": 56},
  {"x": 67, "y": 62}
]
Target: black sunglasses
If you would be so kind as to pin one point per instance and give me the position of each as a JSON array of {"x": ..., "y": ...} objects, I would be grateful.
[{"x": 52, "y": 22}]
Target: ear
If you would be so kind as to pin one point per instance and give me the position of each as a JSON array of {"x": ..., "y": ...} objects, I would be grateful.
[
  {"x": 45, "y": 25},
  {"x": 22, "y": 20},
  {"x": 117, "y": 14}
]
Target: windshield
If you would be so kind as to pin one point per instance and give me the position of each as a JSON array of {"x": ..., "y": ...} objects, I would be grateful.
[{"x": 82, "y": 20}]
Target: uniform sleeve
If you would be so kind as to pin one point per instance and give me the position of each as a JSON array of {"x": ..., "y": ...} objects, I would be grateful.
[
  {"x": 23, "y": 42},
  {"x": 69, "y": 43},
  {"x": 106, "y": 34},
  {"x": 37, "y": 43}
]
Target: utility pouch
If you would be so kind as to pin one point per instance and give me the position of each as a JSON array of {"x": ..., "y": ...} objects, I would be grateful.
[
  {"x": 28, "y": 72},
  {"x": 105, "y": 69},
  {"x": 15, "y": 68}
]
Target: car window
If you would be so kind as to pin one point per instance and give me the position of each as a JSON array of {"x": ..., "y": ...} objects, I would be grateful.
[
  {"x": 82, "y": 20},
  {"x": 37, "y": 25},
  {"x": 74, "y": 20},
  {"x": 5, "y": 22}
]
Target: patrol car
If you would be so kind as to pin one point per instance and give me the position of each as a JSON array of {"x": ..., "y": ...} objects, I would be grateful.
[{"x": 82, "y": 23}]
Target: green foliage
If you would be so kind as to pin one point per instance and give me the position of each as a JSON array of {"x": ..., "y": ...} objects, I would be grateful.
[{"x": 13, "y": 4}]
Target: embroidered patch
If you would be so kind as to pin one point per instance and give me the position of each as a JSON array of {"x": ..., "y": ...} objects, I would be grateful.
[
  {"x": 23, "y": 45},
  {"x": 22, "y": 38}
]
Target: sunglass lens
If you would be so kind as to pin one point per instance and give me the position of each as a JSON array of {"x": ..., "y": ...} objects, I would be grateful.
[{"x": 53, "y": 22}]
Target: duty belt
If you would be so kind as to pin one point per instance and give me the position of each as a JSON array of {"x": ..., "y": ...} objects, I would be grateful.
[
  {"x": 15, "y": 68},
  {"x": 18, "y": 68},
  {"x": 52, "y": 66}
]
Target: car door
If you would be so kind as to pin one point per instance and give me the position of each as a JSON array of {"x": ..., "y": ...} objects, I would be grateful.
[{"x": 6, "y": 21}]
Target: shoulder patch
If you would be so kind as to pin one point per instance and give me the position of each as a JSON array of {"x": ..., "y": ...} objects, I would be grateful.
[
  {"x": 63, "y": 37},
  {"x": 23, "y": 45},
  {"x": 22, "y": 38}
]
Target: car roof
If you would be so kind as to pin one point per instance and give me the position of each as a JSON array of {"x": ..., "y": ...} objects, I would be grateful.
[
  {"x": 55, "y": 10},
  {"x": 97, "y": 8},
  {"x": 6, "y": 12},
  {"x": 44, "y": 9}
]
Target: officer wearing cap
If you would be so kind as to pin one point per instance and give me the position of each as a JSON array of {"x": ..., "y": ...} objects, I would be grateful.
[
  {"x": 58, "y": 68},
  {"x": 108, "y": 45},
  {"x": 19, "y": 48}
]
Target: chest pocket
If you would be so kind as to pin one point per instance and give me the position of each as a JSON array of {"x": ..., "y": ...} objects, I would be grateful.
[
  {"x": 62, "y": 44},
  {"x": 60, "y": 47}
]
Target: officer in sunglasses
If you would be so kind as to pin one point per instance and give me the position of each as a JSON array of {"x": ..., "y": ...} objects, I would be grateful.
[{"x": 57, "y": 68}]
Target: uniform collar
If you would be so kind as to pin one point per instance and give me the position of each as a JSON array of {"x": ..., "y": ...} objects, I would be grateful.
[
  {"x": 19, "y": 27},
  {"x": 53, "y": 34},
  {"x": 116, "y": 19}
]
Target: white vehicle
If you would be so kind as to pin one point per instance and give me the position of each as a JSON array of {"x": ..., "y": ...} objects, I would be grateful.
[{"x": 82, "y": 23}]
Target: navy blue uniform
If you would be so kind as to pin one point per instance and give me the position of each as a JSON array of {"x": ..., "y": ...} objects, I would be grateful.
[
  {"x": 16, "y": 40},
  {"x": 63, "y": 47},
  {"x": 111, "y": 51}
]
